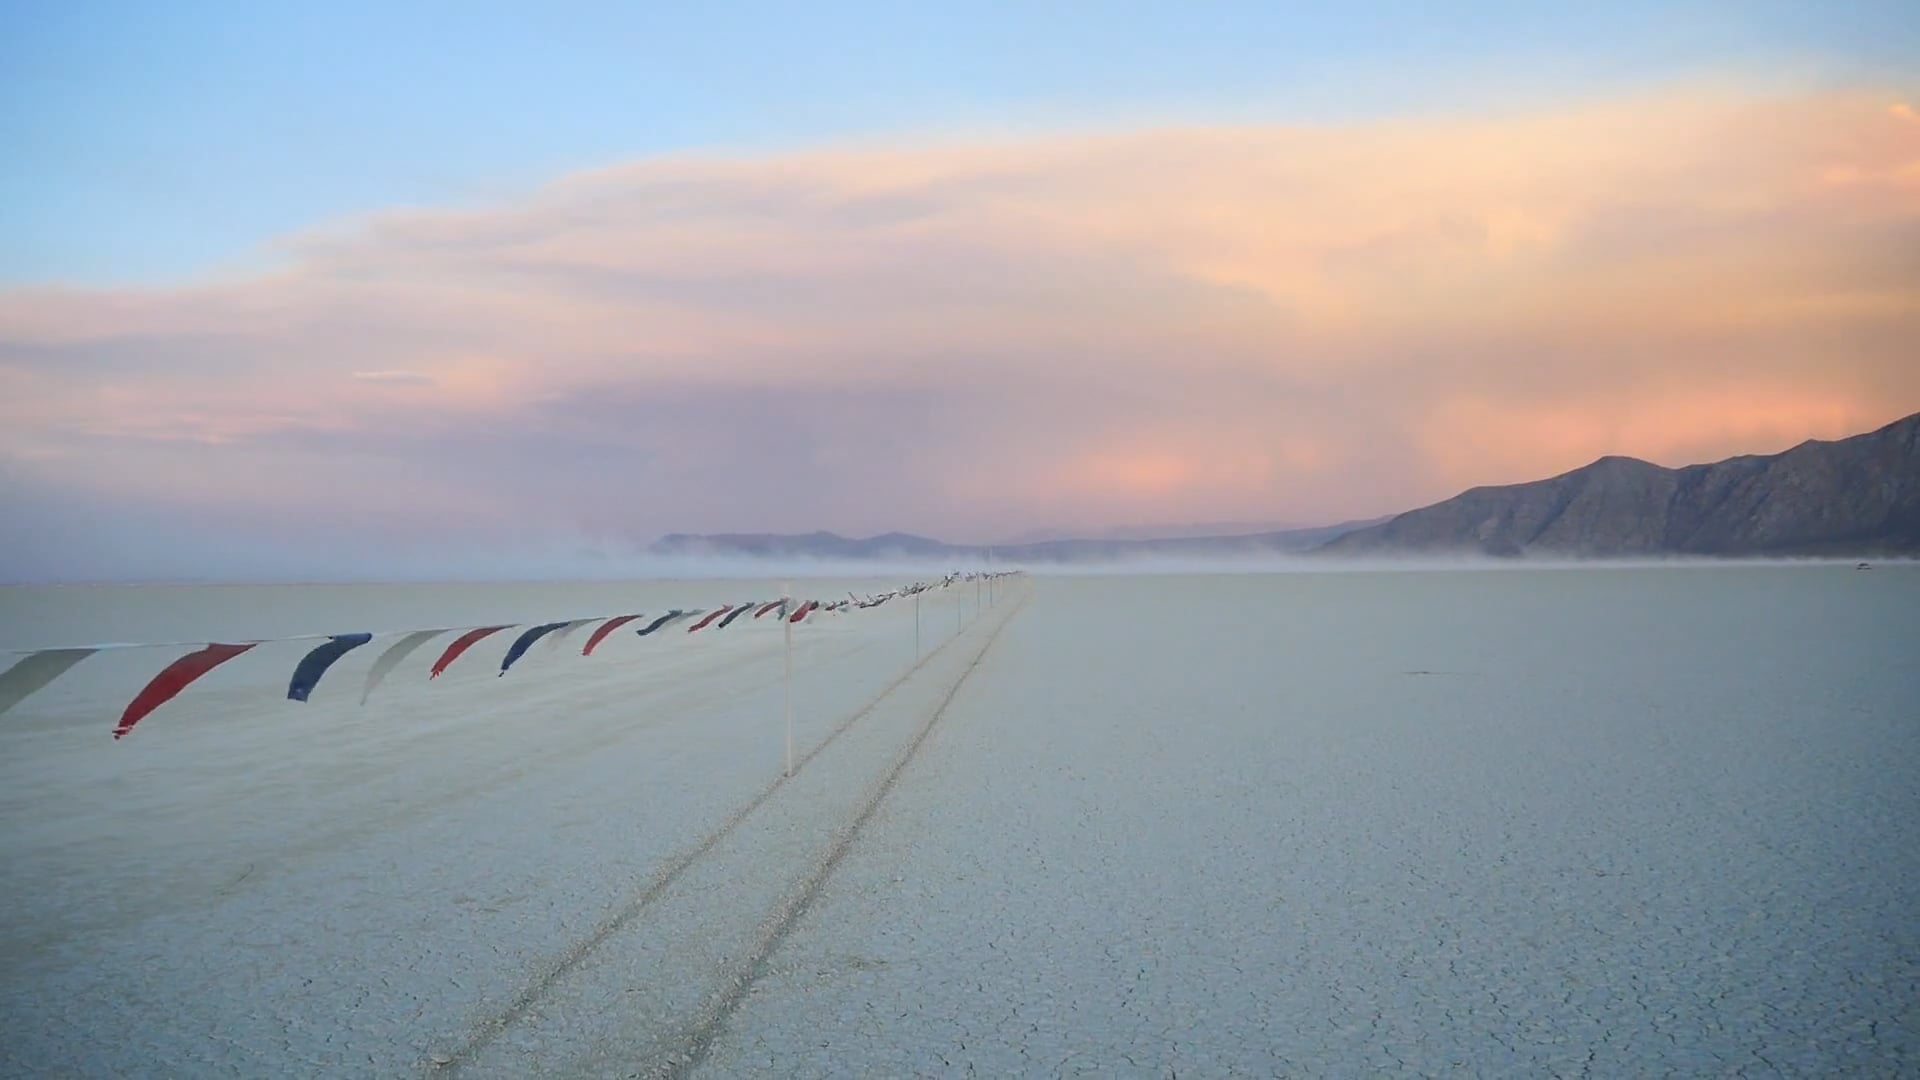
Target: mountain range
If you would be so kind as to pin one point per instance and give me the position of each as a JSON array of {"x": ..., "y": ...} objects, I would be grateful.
[
  {"x": 1851, "y": 497},
  {"x": 1856, "y": 496},
  {"x": 905, "y": 546}
]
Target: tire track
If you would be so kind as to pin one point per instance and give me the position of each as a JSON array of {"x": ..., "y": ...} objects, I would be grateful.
[
  {"x": 486, "y": 1031},
  {"x": 666, "y": 707},
  {"x": 688, "y": 1052}
]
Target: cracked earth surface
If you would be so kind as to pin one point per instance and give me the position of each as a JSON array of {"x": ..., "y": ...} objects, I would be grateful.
[
  {"x": 1642, "y": 834},
  {"x": 1567, "y": 823}
]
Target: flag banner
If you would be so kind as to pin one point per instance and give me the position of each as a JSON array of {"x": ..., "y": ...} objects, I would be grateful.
[
  {"x": 461, "y": 644},
  {"x": 307, "y": 674},
  {"x": 659, "y": 622},
  {"x": 37, "y": 668},
  {"x": 395, "y": 653},
  {"x": 605, "y": 629},
  {"x": 525, "y": 641},
  {"x": 176, "y": 677}
]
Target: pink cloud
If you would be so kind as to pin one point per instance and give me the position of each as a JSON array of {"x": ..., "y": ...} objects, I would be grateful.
[
  {"x": 396, "y": 378},
  {"x": 984, "y": 336}
]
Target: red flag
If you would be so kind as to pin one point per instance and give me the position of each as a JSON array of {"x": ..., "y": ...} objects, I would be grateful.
[
  {"x": 461, "y": 644},
  {"x": 767, "y": 608},
  {"x": 714, "y": 614},
  {"x": 805, "y": 610},
  {"x": 606, "y": 628},
  {"x": 177, "y": 676}
]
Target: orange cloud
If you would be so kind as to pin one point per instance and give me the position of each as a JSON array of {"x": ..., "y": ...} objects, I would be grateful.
[
  {"x": 1213, "y": 322},
  {"x": 1474, "y": 440},
  {"x": 1145, "y": 475}
]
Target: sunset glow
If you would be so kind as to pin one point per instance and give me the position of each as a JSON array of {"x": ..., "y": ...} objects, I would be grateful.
[{"x": 977, "y": 335}]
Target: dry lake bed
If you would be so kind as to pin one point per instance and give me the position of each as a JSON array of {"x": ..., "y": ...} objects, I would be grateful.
[{"x": 1597, "y": 821}]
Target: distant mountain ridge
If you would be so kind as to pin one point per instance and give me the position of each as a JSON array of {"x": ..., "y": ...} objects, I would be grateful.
[
  {"x": 896, "y": 545},
  {"x": 1854, "y": 496},
  {"x": 1858, "y": 496}
]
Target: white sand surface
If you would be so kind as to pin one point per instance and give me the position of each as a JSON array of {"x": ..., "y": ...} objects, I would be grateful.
[
  {"x": 1615, "y": 821},
  {"x": 249, "y": 885},
  {"x": 1635, "y": 823}
]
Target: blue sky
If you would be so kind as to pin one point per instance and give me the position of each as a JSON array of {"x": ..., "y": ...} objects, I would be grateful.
[
  {"x": 315, "y": 286},
  {"x": 151, "y": 142}
]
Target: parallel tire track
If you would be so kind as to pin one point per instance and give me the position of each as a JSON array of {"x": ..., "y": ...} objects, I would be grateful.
[
  {"x": 667, "y": 707},
  {"x": 692, "y": 1048},
  {"x": 484, "y": 1033}
]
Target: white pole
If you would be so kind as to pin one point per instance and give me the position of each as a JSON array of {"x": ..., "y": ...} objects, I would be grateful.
[
  {"x": 916, "y": 628},
  {"x": 786, "y": 626}
]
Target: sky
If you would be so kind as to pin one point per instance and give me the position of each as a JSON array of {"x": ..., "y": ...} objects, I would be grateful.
[{"x": 324, "y": 290}]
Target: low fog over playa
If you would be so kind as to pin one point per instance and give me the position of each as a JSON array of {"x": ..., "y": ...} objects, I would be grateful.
[{"x": 1619, "y": 820}]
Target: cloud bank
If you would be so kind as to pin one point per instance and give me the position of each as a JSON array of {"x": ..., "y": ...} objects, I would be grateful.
[{"x": 978, "y": 338}]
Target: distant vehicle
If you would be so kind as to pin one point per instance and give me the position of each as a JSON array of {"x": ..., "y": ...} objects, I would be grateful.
[{"x": 1864, "y": 566}]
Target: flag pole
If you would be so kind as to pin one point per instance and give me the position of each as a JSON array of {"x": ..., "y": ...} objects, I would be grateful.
[{"x": 786, "y": 629}]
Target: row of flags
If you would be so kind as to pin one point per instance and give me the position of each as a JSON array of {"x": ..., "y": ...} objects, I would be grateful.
[{"x": 36, "y": 669}]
